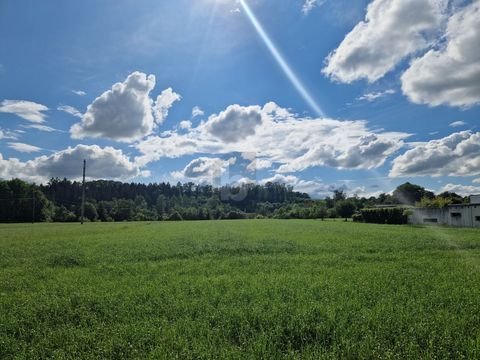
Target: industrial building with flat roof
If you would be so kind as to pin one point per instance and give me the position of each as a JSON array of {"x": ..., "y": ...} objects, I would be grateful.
[{"x": 461, "y": 215}]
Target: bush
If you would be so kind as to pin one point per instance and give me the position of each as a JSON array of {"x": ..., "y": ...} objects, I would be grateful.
[
  {"x": 357, "y": 217},
  {"x": 175, "y": 216},
  {"x": 384, "y": 216},
  {"x": 332, "y": 213},
  {"x": 234, "y": 215}
]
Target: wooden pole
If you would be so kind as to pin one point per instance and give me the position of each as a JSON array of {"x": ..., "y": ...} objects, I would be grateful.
[
  {"x": 33, "y": 205},
  {"x": 83, "y": 192}
]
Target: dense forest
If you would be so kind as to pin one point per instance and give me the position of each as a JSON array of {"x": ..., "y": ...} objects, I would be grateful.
[{"x": 60, "y": 201}]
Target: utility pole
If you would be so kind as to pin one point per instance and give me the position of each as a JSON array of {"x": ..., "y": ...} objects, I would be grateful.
[
  {"x": 33, "y": 205},
  {"x": 83, "y": 191}
]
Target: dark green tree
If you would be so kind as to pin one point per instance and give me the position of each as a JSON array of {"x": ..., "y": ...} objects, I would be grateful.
[{"x": 409, "y": 194}]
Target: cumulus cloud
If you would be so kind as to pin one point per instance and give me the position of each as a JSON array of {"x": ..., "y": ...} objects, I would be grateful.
[
  {"x": 463, "y": 190},
  {"x": 70, "y": 110},
  {"x": 259, "y": 164},
  {"x": 102, "y": 163},
  {"x": 196, "y": 111},
  {"x": 362, "y": 191},
  {"x": 314, "y": 188},
  {"x": 205, "y": 170},
  {"x": 235, "y": 123},
  {"x": 185, "y": 125},
  {"x": 455, "y": 155},
  {"x": 277, "y": 136},
  {"x": 450, "y": 75},
  {"x": 27, "y": 110},
  {"x": 163, "y": 104},
  {"x": 23, "y": 148},
  {"x": 318, "y": 189},
  {"x": 126, "y": 112},
  {"x": 366, "y": 152},
  {"x": 123, "y": 113},
  {"x": 391, "y": 31}
]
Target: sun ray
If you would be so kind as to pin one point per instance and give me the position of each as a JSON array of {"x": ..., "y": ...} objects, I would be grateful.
[{"x": 286, "y": 68}]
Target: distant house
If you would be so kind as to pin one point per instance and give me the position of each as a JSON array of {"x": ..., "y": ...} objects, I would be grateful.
[{"x": 462, "y": 215}]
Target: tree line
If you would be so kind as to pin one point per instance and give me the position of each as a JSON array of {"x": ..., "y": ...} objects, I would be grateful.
[{"x": 60, "y": 201}]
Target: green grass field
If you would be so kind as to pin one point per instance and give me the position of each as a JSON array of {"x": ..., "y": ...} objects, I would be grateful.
[{"x": 239, "y": 289}]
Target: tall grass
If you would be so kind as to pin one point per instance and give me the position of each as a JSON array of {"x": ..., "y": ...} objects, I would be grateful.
[{"x": 239, "y": 289}]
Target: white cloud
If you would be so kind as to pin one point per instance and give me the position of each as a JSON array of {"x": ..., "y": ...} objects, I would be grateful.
[
  {"x": 458, "y": 124},
  {"x": 70, "y": 110},
  {"x": 196, "y": 111},
  {"x": 126, "y": 112},
  {"x": 451, "y": 75},
  {"x": 370, "y": 97},
  {"x": 314, "y": 188},
  {"x": 204, "y": 170},
  {"x": 276, "y": 136},
  {"x": 309, "y": 5},
  {"x": 235, "y": 123},
  {"x": 185, "y": 125},
  {"x": 476, "y": 181},
  {"x": 463, "y": 190},
  {"x": 163, "y": 104},
  {"x": 123, "y": 113},
  {"x": 27, "y": 110},
  {"x": 259, "y": 164},
  {"x": 79, "y": 92},
  {"x": 23, "y": 148},
  {"x": 43, "y": 128},
  {"x": 7, "y": 135},
  {"x": 102, "y": 163},
  {"x": 391, "y": 31},
  {"x": 318, "y": 189},
  {"x": 366, "y": 152},
  {"x": 456, "y": 155},
  {"x": 362, "y": 191},
  {"x": 281, "y": 179}
]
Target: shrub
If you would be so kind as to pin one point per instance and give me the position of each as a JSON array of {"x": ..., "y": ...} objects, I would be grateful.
[
  {"x": 234, "y": 215},
  {"x": 384, "y": 216},
  {"x": 357, "y": 217},
  {"x": 175, "y": 216}
]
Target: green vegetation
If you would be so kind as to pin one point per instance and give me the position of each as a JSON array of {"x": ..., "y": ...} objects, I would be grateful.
[
  {"x": 392, "y": 216},
  {"x": 108, "y": 201},
  {"x": 239, "y": 289}
]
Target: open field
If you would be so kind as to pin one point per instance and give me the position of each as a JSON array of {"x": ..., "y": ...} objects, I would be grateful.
[{"x": 239, "y": 289}]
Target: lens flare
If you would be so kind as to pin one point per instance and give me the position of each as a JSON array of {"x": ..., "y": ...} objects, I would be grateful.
[{"x": 281, "y": 60}]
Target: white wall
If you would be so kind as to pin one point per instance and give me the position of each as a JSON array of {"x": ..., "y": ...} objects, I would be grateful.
[{"x": 468, "y": 216}]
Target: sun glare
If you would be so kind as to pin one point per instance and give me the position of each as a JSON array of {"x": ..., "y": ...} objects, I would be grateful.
[{"x": 286, "y": 68}]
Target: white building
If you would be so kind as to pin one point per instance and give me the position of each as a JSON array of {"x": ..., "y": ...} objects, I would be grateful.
[{"x": 462, "y": 215}]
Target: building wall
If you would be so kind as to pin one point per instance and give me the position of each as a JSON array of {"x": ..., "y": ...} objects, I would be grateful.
[
  {"x": 475, "y": 199},
  {"x": 476, "y": 215},
  {"x": 460, "y": 216},
  {"x": 428, "y": 217},
  {"x": 454, "y": 215}
]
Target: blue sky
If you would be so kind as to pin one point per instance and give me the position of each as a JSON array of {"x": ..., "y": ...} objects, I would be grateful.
[{"x": 116, "y": 82}]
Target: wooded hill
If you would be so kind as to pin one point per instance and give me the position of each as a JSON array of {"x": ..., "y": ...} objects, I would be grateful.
[{"x": 60, "y": 201}]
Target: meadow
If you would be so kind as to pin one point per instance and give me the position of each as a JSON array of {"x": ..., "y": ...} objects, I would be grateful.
[{"x": 239, "y": 289}]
